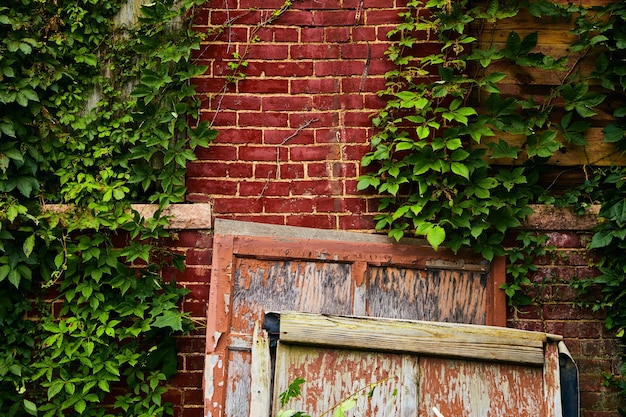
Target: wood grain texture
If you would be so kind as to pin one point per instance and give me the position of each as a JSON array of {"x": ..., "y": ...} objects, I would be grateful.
[
  {"x": 334, "y": 375},
  {"x": 442, "y": 339}
]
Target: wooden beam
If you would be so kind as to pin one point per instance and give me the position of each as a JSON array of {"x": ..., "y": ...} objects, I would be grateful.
[{"x": 426, "y": 338}]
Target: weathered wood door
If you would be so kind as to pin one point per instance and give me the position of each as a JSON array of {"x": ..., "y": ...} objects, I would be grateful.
[
  {"x": 258, "y": 268},
  {"x": 415, "y": 368}
]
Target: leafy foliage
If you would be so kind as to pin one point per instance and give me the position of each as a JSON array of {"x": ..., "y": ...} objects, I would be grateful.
[
  {"x": 429, "y": 163},
  {"x": 96, "y": 112}
]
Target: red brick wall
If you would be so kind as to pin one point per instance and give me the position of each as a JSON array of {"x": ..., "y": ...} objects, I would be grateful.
[{"x": 291, "y": 138}]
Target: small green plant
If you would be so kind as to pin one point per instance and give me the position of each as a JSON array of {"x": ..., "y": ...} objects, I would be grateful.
[{"x": 340, "y": 409}]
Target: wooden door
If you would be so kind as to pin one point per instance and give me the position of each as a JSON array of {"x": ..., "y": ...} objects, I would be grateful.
[
  {"x": 409, "y": 369},
  {"x": 259, "y": 268}
]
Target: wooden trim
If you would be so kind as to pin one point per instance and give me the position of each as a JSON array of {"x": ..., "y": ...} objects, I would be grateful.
[
  {"x": 433, "y": 339},
  {"x": 261, "y": 374}
]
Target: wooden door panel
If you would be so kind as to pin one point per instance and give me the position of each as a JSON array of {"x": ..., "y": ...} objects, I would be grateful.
[
  {"x": 432, "y": 294},
  {"x": 385, "y": 384},
  {"x": 480, "y": 389}
]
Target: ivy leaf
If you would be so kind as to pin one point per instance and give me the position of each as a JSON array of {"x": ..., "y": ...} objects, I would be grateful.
[
  {"x": 30, "y": 407},
  {"x": 170, "y": 318},
  {"x": 460, "y": 169},
  {"x": 55, "y": 387},
  {"x": 435, "y": 236},
  {"x": 601, "y": 239},
  {"x": 29, "y": 245}
]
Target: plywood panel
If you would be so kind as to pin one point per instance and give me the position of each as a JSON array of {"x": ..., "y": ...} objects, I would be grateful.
[{"x": 432, "y": 294}]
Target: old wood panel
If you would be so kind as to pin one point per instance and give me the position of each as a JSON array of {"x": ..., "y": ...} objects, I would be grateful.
[
  {"x": 429, "y": 364},
  {"x": 268, "y": 268},
  {"x": 334, "y": 375},
  {"x": 471, "y": 388}
]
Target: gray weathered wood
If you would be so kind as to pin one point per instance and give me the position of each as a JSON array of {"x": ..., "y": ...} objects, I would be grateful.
[{"x": 433, "y": 339}]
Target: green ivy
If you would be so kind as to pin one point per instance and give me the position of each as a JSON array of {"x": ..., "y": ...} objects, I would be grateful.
[
  {"x": 446, "y": 124},
  {"x": 96, "y": 113}
]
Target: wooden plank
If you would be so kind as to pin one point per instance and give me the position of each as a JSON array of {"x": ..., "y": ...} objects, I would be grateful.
[
  {"x": 472, "y": 389},
  {"x": 261, "y": 385},
  {"x": 595, "y": 153},
  {"x": 441, "y": 339}
]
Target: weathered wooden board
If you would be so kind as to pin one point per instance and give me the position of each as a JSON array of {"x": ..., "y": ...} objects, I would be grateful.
[
  {"x": 282, "y": 268},
  {"x": 439, "y": 339}
]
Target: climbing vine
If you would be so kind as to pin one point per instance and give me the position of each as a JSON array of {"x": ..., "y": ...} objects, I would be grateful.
[
  {"x": 96, "y": 112},
  {"x": 458, "y": 161}
]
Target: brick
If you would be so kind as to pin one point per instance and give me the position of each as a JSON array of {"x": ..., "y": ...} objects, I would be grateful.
[
  {"x": 357, "y": 119},
  {"x": 261, "y": 153},
  {"x": 267, "y": 4},
  {"x": 564, "y": 240},
  {"x": 381, "y": 17},
  {"x": 342, "y": 34},
  {"x": 265, "y": 171},
  {"x": 261, "y": 218},
  {"x": 208, "y": 186},
  {"x": 362, "y": 33},
  {"x": 269, "y": 187},
  {"x": 316, "y": 119},
  {"x": 280, "y": 69},
  {"x": 287, "y": 103},
  {"x": 195, "y": 309},
  {"x": 240, "y": 135},
  {"x": 291, "y": 205},
  {"x": 296, "y": 18},
  {"x": 263, "y": 119},
  {"x": 194, "y": 362},
  {"x": 193, "y": 397},
  {"x": 343, "y": 169},
  {"x": 339, "y": 68},
  {"x": 278, "y": 34},
  {"x": 195, "y": 239},
  {"x": 219, "y": 169},
  {"x": 319, "y": 187},
  {"x": 267, "y": 52},
  {"x": 289, "y": 136},
  {"x": 237, "y": 102},
  {"x": 263, "y": 85},
  {"x": 199, "y": 292},
  {"x": 314, "y": 153},
  {"x": 320, "y": 5},
  {"x": 229, "y": 35},
  {"x": 221, "y": 118},
  {"x": 198, "y": 257},
  {"x": 339, "y": 205},
  {"x": 208, "y": 85},
  {"x": 580, "y": 329},
  {"x": 192, "y": 412},
  {"x": 237, "y": 205},
  {"x": 355, "y": 152},
  {"x": 311, "y": 35},
  {"x": 291, "y": 171},
  {"x": 315, "y": 51},
  {"x": 217, "y": 152},
  {"x": 315, "y": 221},
  {"x": 321, "y": 170},
  {"x": 335, "y": 102},
  {"x": 356, "y": 222},
  {"x": 373, "y": 84},
  {"x": 315, "y": 86},
  {"x": 334, "y": 18}
]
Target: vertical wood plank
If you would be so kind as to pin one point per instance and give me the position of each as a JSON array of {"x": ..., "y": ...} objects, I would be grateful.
[
  {"x": 552, "y": 381},
  {"x": 261, "y": 375},
  {"x": 218, "y": 322}
]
